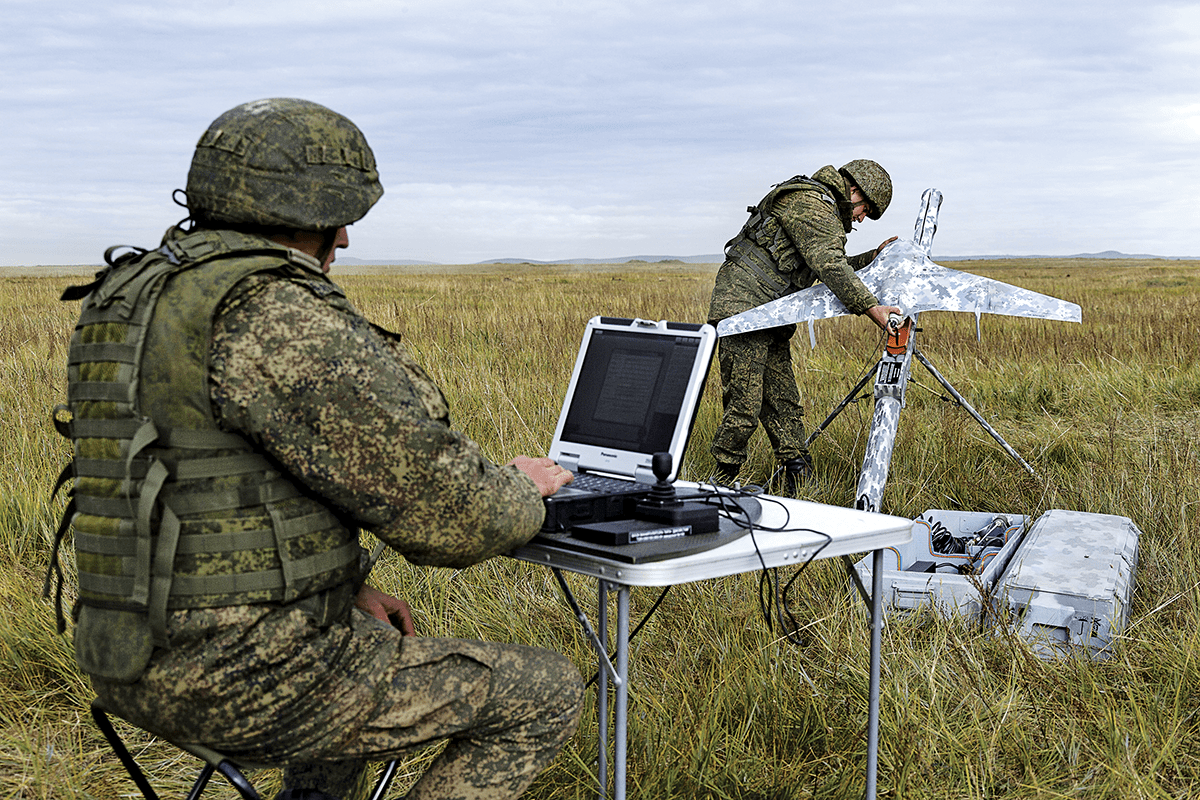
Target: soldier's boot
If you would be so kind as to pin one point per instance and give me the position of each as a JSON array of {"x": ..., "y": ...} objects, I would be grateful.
[
  {"x": 726, "y": 474},
  {"x": 795, "y": 473}
]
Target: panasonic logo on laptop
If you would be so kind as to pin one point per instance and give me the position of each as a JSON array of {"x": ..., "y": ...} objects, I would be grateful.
[{"x": 608, "y": 455}]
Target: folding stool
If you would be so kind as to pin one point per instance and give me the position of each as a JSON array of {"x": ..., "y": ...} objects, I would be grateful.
[{"x": 233, "y": 770}]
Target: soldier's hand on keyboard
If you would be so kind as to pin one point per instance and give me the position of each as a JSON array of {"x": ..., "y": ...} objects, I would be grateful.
[{"x": 547, "y": 474}]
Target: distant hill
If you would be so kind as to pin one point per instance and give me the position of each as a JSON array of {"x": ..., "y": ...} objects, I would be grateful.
[
  {"x": 1102, "y": 255},
  {"x": 398, "y": 262},
  {"x": 717, "y": 258},
  {"x": 712, "y": 258},
  {"x": 709, "y": 259}
]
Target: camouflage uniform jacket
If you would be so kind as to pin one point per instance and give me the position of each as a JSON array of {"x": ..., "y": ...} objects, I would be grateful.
[
  {"x": 795, "y": 237},
  {"x": 344, "y": 407}
]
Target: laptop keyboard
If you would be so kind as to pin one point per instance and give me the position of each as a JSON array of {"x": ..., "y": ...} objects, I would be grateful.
[
  {"x": 591, "y": 498},
  {"x": 598, "y": 483}
]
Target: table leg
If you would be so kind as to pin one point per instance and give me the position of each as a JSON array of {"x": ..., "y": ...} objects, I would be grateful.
[
  {"x": 602, "y": 691},
  {"x": 876, "y": 643},
  {"x": 620, "y": 723}
]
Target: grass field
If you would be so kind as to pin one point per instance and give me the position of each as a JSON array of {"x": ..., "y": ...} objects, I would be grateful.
[{"x": 1107, "y": 412}]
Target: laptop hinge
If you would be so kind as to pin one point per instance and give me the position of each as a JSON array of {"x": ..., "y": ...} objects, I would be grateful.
[
  {"x": 643, "y": 474},
  {"x": 569, "y": 461}
]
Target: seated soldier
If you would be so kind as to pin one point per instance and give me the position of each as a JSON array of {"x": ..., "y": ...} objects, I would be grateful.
[{"x": 236, "y": 422}]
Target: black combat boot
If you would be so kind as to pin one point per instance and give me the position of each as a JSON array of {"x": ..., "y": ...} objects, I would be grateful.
[
  {"x": 795, "y": 473},
  {"x": 726, "y": 474}
]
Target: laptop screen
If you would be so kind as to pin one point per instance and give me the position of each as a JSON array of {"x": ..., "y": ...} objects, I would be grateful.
[
  {"x": 630, "y": 390},
  {"x": 633, "y": 393}
]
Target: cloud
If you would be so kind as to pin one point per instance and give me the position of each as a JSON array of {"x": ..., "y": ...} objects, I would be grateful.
[{"x": 618, "y": 128}]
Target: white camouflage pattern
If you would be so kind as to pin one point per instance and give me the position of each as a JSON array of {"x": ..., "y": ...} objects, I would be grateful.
[
  {"x": 904, "y": 276},
  {"x": 1070, "y": 584},
  {"x": 878, "y": 458},
  {"x": 891, "y": 381}
]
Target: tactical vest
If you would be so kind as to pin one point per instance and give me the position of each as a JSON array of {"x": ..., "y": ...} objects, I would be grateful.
[
  {"x": 763, "y": 246},
  {"x": 168, "y": 511}
]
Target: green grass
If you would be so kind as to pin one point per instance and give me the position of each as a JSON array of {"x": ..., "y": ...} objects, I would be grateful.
[{"x": 1107, "y": 412}]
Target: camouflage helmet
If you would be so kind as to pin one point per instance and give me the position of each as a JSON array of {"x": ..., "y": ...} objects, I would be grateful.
[
  {"x": 873, "y": 181},
  {"x": 283, "y": 163}
]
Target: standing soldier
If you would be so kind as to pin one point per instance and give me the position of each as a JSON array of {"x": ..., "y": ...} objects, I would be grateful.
[
  {"x": 235, "y": 423},
  {"x": 795, "y": 237}
]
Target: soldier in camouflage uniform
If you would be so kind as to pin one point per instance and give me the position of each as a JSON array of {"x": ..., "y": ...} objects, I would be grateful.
[
  {"x": 235, "y": 423},
  {"x": 795, "y": 237}
]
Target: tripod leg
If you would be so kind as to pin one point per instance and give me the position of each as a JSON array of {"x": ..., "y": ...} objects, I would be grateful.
[
  {"x": 967, "y": 406},
  {"x": 842, "y": 405}
]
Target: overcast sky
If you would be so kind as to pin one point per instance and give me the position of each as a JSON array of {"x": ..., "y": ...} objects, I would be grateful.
[{"x": 552, "y": 129}]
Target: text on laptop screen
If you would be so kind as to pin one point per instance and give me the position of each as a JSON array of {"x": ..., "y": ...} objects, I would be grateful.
[{"x": 630, "y": 389}]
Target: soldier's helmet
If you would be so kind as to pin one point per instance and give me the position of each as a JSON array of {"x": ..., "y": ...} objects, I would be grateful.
[
  {"x": 873, "y": 181},
  {"x": 285, "y": 163}
]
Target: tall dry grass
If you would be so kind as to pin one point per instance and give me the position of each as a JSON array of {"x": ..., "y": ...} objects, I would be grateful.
[{"x": 1106, "y": 411}]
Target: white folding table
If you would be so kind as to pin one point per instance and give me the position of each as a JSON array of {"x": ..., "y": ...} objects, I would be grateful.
[{"x": 848, "y": 531}]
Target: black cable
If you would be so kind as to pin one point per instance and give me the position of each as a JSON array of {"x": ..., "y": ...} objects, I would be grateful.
[
  {"x": 777, "y": 606},
  {"x": 766, "y": 579},
  {"x": 944, "y": 398},
  {"x": 782, "y": 605},
  {"x": 740, "y": 517}
]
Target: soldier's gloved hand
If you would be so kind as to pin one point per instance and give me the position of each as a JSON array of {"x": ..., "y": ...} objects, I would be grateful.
[
  {"x": 547, "y": 474},
  {"x": 383, "y": 606}
]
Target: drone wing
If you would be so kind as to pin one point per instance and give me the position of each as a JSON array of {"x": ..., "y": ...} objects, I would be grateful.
[{"x": 904, "y": 276}]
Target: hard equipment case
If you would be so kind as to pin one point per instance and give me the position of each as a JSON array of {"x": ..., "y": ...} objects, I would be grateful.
[{"x": 1069, "y": 586}]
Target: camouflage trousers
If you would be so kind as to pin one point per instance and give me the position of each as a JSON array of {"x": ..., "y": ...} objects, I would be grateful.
[
  {"x": 758, "y": 385},
  {"x": 269, "y": 686}
]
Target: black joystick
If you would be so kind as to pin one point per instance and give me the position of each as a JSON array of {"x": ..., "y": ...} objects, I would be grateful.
[
  {"x": 662, "y": 494},
  {"x": 662, "y": 506}
]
